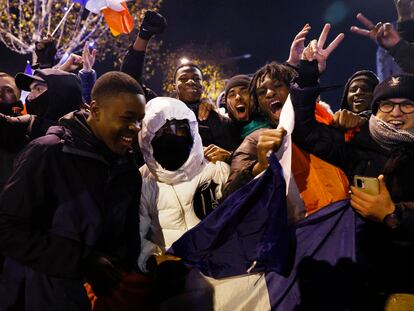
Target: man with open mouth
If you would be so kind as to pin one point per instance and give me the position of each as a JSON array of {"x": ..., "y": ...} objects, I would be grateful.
[{"x": 237, "y": 98}]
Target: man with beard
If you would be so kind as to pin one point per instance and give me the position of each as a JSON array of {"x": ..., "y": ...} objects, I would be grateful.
[
  {"x": 68, "y": 214},
  {"x": 269, "y": 89},
  {"x": 53, "y": 93},
  {"x": 10, "y": 106},
  {"x": 10, "y": 103}
]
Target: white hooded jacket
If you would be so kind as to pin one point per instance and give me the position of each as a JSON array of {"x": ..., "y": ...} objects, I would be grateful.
[{"x": 166, "y": 210}]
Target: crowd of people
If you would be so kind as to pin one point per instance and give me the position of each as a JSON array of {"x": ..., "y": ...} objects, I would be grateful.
[{"x": 100, "y": 176}]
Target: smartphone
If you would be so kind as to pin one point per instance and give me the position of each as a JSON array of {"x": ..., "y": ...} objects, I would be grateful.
[{"x": 369, "y": 185}]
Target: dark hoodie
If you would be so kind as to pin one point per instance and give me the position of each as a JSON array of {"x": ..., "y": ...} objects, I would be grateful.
[
  {"x": 370, "y": 76},
  {"x": 68, "y": 197},
  {"x": 62, "y": 96}
]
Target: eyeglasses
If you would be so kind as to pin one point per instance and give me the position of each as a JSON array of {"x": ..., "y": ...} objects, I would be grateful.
[{"x": 405, "y": 107}]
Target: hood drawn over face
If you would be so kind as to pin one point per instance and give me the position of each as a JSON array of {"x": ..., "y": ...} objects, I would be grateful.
[
  {"x": 157, "y": 112},
  {"x": 63, "y": 95}
]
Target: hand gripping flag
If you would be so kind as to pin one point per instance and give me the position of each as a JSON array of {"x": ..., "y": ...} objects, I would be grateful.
[{"x": 115, "y": 12}]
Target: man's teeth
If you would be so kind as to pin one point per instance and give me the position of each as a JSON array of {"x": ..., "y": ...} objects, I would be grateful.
[
  {"x": 126, "y": 139},
  {"x": 396, "y": 122}
]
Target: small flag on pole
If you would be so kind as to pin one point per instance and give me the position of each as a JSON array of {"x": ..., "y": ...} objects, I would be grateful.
[{"x": 115, "y": 12}]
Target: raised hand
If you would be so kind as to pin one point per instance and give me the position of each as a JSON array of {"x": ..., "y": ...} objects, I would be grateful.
[
  {"x": 405, "y": 9},
  {"x": 316, "y": 51},
  {"x": 153, "y": 23},
  {"x": 88, "y": 58},
  {"x": 387, "y": 36},
  {"x": 45, "y": 50},
  {"x": 371, "y": 30},
  {"x": 298, "y": 46},
  {"x": 383, "y": 34},
  {"x": 72, "y": 63}
]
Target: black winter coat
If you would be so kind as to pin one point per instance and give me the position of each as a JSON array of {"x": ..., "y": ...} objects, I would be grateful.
[
  {"x": 387, "y": 254},
  {"x": 69, "y": 196}
]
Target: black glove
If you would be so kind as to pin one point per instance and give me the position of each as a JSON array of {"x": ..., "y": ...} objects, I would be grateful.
[
  {"x": 101, "y": 274},
  {"x": 153, "y": 23},
  {"x": 46, "y": 51}
]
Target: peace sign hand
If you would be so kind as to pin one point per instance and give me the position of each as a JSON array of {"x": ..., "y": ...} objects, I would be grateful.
[
  {"x": 383, "y": 34},
  {"x": 315, "y": 50},
  {"x": 371, "y": 31}
]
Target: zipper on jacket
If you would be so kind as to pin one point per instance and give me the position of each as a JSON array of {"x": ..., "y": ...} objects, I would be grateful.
[{"x": 182, "y": 209}]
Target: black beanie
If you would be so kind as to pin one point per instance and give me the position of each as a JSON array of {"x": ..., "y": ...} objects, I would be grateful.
[
  {"x": 239, "y": 80},
  {"x": 400, "y": 86},
  {"x": 366, "y": 75}
]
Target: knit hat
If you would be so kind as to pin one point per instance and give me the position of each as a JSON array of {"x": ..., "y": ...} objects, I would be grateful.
[
  {"x": 366, "y": 75},
  {"x": 239, "y": 80},
  {"x": 399, "y": 86}
]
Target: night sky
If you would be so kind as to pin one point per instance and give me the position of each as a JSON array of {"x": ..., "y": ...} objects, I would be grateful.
[{"x": 263, "y": 28}]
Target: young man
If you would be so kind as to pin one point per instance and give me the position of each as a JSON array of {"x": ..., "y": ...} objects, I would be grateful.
[
  {"x": 68, "y": 214},
  {"x": 384, "y": 145},
  {"x": 358, "y": 91},
  {"x": 237, "y": 97},
  {"x": 180, "y": 187},
  {"x": 269, "y": 90},
  {"x": 52, "y": 94},
  {"x": 214, "y": 130},
  {"x": 10, "y": 103}
]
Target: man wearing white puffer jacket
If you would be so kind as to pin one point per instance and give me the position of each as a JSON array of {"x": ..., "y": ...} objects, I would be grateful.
[{"x": 179, "y": 185}]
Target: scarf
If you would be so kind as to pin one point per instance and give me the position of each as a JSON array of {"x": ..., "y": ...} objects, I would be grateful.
[
  {"x": 255, "y": 125},
  {"x": 387, "y": 136}
]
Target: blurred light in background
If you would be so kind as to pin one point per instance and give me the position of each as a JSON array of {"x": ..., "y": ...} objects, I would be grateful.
[
  {"x": 184, "y": 60},
  {"x": 336, "y": 12}
]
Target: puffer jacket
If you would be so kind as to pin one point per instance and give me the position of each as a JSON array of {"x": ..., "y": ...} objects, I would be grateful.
[
  {"x": 172, "y": 202},
  {"x": 68, "y": 197}
]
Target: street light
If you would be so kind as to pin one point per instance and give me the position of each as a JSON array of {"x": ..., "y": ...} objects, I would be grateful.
[{"x": 184, "y": 60}]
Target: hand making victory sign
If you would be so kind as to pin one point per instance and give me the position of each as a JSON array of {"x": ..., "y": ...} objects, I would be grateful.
[
  {"x": 316, "y": 51},
  {"x": 382, "y": 33}
]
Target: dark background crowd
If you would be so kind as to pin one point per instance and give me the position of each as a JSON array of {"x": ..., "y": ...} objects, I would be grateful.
[
  {"x": 114, "y": 197},
  {"x": 264, "y": 31}
]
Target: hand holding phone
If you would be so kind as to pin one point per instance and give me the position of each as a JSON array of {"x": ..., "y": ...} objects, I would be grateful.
[{"x": 368, "y": 185}]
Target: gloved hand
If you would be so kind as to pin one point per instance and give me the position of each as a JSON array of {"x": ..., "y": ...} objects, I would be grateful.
[
  {"x": 46, "y": 51},
  {"x": 153, "y": 23},
  {"x": 101, "y": 274}
]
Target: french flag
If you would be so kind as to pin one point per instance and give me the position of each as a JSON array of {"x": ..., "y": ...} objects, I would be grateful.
[
  {"x": 115, "y": 12},
  {"x": 249, "y": 254}
]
